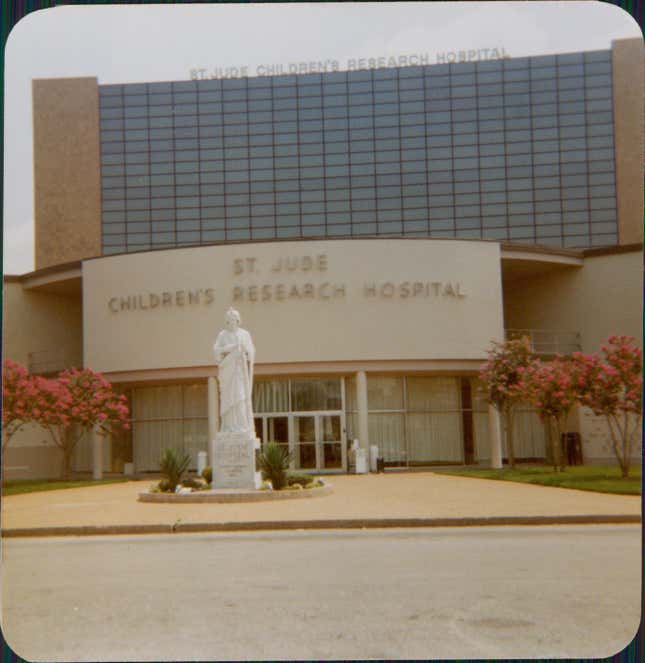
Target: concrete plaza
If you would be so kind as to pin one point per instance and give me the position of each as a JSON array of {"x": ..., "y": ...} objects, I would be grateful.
[{"x": 389, "y": 499}]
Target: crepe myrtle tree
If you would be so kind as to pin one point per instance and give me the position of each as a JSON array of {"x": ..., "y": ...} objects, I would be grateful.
[
  {"x": 500, "y": 377},
  {"x": 19, "y": 400},
  {"x": 551, "y": 388},
  {"x": 611, "y": 385},
  {"x": 75, "y": 403}
]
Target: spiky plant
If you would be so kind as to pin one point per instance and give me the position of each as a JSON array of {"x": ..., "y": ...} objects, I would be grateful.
[
  {"x": 173, "y": 465},
  {"x": 274, "y": 461},
  {"x": 207, "y": 474}
]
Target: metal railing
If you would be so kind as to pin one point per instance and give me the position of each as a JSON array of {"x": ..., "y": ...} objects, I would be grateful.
[{"x": 548, "y": 341}]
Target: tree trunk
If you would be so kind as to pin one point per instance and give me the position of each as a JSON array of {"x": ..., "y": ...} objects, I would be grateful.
[
  {"x": 563, "y": 458},
  {"x": 555, "y": 444},
  {"x": 624, "y": 447},
  {"x": 623, "y": 462},
  {"x": 68, "y": 452}
]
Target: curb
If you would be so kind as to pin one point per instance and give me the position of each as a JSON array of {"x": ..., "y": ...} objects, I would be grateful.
[
  {"x": 354, "y": 523},
  {"x": 235, "y": 496}
]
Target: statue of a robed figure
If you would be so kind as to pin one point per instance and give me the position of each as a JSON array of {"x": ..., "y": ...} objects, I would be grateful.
[
  {"x": 234, "y": 355},
  {"x": 235, "y": 443}
]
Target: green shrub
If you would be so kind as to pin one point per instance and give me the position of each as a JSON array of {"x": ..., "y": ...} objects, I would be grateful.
[
  {"x": 173, "y": 465},
  {"x": 191, "y": 483},
  {"x": 164, "y": 486},
  {"x": 274, "y": 460},
  {"x": 207, "y": 474},
  {"x": 302, "y": 479}
]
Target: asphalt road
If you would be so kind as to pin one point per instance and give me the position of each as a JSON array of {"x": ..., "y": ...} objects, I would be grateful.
[{"x": 507, "y": 592}]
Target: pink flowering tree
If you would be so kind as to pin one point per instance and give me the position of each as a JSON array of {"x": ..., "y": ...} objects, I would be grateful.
[
  {"x": 551, "y": 388},
  {"x": 19, "y": 399},
  {"x": 74, "y": 404},
  {"x": 500, "y": 376},
  {"x": 611, "y": 385}
]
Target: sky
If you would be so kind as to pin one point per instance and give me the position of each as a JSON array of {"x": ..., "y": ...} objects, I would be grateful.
[{"x": 139, "y": 43}]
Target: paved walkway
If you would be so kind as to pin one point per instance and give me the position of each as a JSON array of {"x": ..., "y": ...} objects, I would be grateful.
[{"x": 391, "y": 499}]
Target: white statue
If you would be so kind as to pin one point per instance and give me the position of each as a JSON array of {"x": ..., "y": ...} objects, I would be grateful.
[{"x": 234, "y": 354}]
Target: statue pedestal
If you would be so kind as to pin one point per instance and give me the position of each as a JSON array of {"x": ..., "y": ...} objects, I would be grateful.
[{"x": 234, "y": 461}]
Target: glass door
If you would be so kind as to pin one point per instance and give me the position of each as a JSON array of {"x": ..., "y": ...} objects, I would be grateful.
[
  {"x": 318, "y": 442},
  {"x": 305, "y": 443},
  {"x": 270, "y": 428},
  {"x": 331, "y": 442}
]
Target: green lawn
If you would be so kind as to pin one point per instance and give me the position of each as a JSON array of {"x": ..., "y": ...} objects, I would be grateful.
[
  {"x": 34, "y": 485},
  {"x": 601, "y": 478}
]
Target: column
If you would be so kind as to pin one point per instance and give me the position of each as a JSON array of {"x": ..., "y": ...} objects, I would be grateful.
[
  {"x": 495, "y": 436},
  {"x": 97, "y": 454},
  {"x": 361, "y": 404},
  {"x": 213, "y": 416}
]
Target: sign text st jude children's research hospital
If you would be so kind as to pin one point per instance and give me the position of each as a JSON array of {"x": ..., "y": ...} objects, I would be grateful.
[
  {"x": 351, "y": 64},
  {"x": 284, "y": 269}
]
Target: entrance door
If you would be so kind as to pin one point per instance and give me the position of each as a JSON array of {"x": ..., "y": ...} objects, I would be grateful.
[
  {"x": 270, "y": 428},
  {"x": 318, "y": 442}
]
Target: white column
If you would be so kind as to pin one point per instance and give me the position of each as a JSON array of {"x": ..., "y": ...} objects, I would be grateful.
[
  {"x": 361, "y": 404},
  {"x": 97, "y": 454},
  {"x": 495, "y": 436},
  {"x": 213, "y": 416}
]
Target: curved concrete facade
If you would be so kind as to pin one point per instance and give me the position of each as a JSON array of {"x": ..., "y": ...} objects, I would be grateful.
[{"x": 313, "y": 302}]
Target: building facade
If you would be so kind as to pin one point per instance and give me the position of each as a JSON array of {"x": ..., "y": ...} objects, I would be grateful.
[{"x": 376, "y": 229}]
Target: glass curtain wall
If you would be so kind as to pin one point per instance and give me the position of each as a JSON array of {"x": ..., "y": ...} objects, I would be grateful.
[
  {"x": 434, "y": 419},
  {"x": 512, "y": 149},
  {"x": 173, "y": 416},
  {"x": 529, "y": 440},
  {"x": 529, "y": 434}
]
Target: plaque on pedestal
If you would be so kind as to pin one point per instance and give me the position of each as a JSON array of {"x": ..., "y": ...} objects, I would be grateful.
[{"x": 234, "y": 462}]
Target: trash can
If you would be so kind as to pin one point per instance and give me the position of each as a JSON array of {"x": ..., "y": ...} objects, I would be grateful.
[
  {"x": 572, "y": 448},
  {"x": 201, "y": 461},
  {"x": 373, "y": 458},
  {"x": 361, "y": 461},
  {"x": 128, "y": 469}
]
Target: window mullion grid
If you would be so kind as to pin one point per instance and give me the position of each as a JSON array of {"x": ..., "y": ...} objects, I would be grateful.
[
  {"x": 532, "y": 144},
  {"x": 323, "y": 147},
  {"x": 124, "y": 176},
  {"x": 479, "y": 168},
  {"x": 613, "y": 126},
  {"x": 557, "y": 101},
  {"x": 199, "y": 165},
  {"x": 248, "y": 158},
  {"x": 376, "y": 185},
  {"x": 273, "y": 148},
  {"x": 427, "y": 147},
  {"x": 506, "y": 157},
  {"x": 452, "y": 151},
  {"x": 224, "y": 164},
  {"x": 150, "y": 197},
  {"x": 298, "y": 152},
  {"x": 174, "y": 163},
  {"x": 398, "y": 105},
  {"x": 348, "y": 141}
]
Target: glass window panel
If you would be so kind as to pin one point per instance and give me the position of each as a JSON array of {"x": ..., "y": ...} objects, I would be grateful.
[
  {"x": 489, "y": 77},
  {"x": 523, "y": 135},
  {"x": 466, "y": 175},
  {"x": 384, "y": 393},
  {"x": 602, "y": 178}
]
